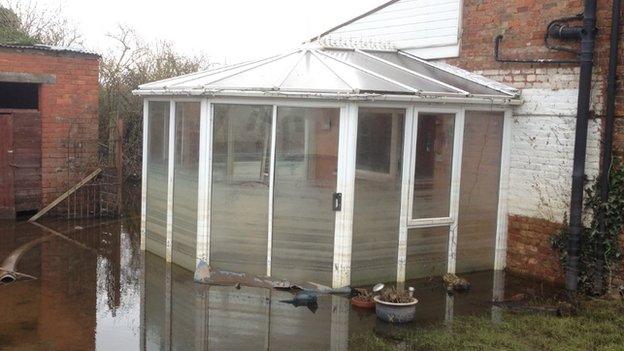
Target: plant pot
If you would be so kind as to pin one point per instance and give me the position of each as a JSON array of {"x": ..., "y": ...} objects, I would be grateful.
[
  {"x": 369, "y": 305},
  {"x": 395, "y": 312}
]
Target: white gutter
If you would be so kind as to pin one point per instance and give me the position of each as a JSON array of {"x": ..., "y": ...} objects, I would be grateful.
[{"x": 458, "y": 99}]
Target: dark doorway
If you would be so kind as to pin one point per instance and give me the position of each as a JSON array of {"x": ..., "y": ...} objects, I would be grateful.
[{"x": 19, "y": 96}]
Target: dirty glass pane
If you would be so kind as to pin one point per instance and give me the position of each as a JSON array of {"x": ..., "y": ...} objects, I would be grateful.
[
  {"x": 157, "y": 159},
  {"x": 155, "y": 301},
  {"x": 396, "y": 74},
  {"x": 189, "y": 313},
  {"x": 240, "y": 187},
  {"x": 305, "y": 179},
  {"x": 434, "y": 164},
  {"x": 297, "y": 328},
  {"x": 377, "y": 195},
  {"x": 238, "y": 319},
  {"x": 478, "y": 199},
  {"x": 434, "y": 72},
  {"x": 186, "y": 164},
  {"x": 427, "y": 250}
]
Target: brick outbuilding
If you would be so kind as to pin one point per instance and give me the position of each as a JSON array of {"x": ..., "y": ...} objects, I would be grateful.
[{"x": 48, "y": 123}]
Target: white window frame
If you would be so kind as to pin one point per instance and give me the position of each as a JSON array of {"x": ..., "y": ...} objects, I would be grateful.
[
  {"x": 458, "y": 129},
  {"x": 407, "y": 192},
  {"x": 343, "y": 232},
  {"x": 394, "y": 151},
  {"x": 344, "y": 184}
]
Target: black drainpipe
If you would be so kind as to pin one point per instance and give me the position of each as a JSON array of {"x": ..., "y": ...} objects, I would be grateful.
[
  {"x": 588, "y": 36},
  {"x": 605, "y": 171}
]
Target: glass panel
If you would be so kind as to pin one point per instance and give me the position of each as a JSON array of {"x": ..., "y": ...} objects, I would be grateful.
[
  {"x": 434, "y": 164},
  {"x": 238, "y": 319},
  {"x": 305, "y": 179},
  {"x": 312, "y": 74},
  {"x": 435, "y": 73},
  {"x": 389, "y": 71},
  {"x": 185, "y": 184},
  {"x": 155, "y": 301},
  {"x": 377, "y": 187},
  {"x": 362, "y": 80},
  {"x": 240, "y": 187},
  {"x": 478, "y": 199},
  {"x": 297, "y": 328},
  {"x": 157, "y": 169},
  {"x": 427, "y": 252},
  {"x": 187, "y": 310}
]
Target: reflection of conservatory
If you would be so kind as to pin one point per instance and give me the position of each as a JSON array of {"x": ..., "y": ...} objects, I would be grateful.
[{"x": 334, "y": 165}]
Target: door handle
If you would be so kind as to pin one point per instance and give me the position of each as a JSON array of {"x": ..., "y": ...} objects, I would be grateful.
[{"x": 337, "y": 202}]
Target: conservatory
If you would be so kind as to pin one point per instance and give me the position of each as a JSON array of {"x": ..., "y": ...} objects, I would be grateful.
[{"x": 337, "y": 165}]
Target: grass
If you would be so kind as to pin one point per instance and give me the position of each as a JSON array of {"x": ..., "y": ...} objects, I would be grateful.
[{"x": 599, "y": 325}]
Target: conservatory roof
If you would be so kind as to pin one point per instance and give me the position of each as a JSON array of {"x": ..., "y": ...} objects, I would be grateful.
[{"x": 340, "y": 73}]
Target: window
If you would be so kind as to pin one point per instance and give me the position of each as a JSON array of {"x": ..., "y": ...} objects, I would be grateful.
[
  {"x": 433, "y": 165},
  {"x": 378, "y": 153},
  {"x": 19, "y": 95}
]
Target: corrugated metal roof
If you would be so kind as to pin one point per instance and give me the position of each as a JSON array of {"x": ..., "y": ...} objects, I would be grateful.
[
  {"x": 343, "y": 71},
  {"x": 50, "y": 48}
]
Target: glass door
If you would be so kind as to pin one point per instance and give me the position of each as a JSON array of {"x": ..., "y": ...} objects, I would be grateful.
[
  {"x": 306, "y": 167},
  {"x": 240, "y": 187},
  {"x": 273, "y": 190},
  {"x": 430, "y": 208}
]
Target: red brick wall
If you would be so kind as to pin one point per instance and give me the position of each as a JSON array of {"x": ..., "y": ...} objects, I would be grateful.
[
  {"x": 523, "y": 24},
  {"x": 69, "y": 112},
  {"x": 528, "y": 248}
]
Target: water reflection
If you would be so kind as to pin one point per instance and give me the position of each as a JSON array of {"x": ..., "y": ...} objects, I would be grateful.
[{"x": 90, "y": 294}]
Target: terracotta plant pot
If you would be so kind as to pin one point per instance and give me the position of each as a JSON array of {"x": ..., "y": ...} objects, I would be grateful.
[
  {"x": 395, "y": 312},
  {"x": 366, "y": 304}
]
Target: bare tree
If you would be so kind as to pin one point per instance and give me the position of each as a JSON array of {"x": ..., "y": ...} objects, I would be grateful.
[
  {"x": 129, "y": 63},
  {"x": 41, "y": 25}
]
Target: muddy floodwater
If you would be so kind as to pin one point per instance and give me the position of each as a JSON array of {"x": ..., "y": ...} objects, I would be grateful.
[{"x": 91, "y": 293}]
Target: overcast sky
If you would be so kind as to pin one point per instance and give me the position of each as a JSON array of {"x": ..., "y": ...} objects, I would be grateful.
[{"x": 232, "y": 30}]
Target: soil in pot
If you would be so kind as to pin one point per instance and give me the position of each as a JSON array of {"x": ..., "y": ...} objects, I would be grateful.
[
  {"x": 363, "y": 300},
  {"x": 395, "y": 306}
]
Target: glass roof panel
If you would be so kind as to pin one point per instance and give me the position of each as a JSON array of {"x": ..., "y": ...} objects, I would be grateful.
[
  {"x": 312, "y": 74},
  {"x": 435, "y": 73},
  {"x": 329, "y": 70},
  {"x": 391, "y": 72},
  {"x": 266, "y": 75},
  {"x": 363, "y": 81}
]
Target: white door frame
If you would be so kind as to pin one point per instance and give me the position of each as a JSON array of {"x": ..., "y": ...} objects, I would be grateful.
[
  {"x": 344, "y": 184},
  {"x": 409, "y": 152},
  {"x": 407, "y": 187}
]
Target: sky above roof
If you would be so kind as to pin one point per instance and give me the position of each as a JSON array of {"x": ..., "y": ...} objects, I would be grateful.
[{"x": 227, "y": 31}]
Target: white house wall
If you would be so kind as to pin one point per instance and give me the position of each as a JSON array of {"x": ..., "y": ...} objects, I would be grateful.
[
  {"x": 426, "y": 28},
  {"x": 542, "y": 141}
]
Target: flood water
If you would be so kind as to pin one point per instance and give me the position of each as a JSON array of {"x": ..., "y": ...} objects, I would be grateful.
[{"x": 91, "y": 293}]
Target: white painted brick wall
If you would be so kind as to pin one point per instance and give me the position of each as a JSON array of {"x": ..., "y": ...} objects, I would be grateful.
[
  {"x": 541, "y": 158},
  {"x": 542, "y": 142}
]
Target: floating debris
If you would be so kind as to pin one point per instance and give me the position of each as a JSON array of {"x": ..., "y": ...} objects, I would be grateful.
[
  {"x": 205, "y": 274},
  {"x": 455, "y": 283},
  {"x": 304, "y": 298}
]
